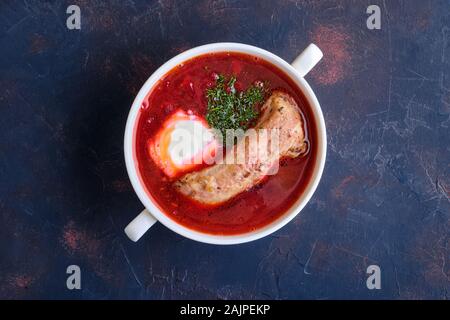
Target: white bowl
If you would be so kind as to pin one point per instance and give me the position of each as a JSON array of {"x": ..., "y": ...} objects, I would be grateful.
[{"x": 300, "y": 67}]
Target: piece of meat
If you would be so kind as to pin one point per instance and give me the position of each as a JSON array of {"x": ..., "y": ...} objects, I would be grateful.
[{"x": 223, "y": 181}]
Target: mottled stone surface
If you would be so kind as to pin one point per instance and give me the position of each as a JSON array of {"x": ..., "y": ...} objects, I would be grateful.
[{"x": 64, "y": 192}]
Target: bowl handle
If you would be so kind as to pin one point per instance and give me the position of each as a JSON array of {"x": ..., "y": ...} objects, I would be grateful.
[
  {"x": 307, "y": 59},
  {"x": 136, "y": 228}
]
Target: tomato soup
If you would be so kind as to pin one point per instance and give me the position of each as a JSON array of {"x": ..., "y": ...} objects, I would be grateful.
[{"x": 183, "y": 88}]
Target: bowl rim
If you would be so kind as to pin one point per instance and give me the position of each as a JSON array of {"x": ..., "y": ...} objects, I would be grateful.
[{"x": 145, "y": 196}]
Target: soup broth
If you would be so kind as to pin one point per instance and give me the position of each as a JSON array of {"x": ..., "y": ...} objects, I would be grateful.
[{"x": 183, "y": 88}]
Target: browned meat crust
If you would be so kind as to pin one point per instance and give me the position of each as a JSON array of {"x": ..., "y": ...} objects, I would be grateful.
[{"x": 223, "y": 181}]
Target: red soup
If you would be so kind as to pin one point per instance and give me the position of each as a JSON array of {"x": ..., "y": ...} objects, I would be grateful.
[{"x": 183, "y": 88}]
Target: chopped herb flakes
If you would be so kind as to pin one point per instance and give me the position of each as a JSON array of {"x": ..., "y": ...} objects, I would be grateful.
[{"x": 229, "y": 109}]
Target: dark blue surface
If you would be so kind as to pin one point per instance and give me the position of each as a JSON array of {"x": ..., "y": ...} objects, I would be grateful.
[{"x": 64, "y": 192}]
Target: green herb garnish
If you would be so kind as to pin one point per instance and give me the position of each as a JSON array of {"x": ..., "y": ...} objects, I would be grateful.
[{"x": 229, "y": 109}]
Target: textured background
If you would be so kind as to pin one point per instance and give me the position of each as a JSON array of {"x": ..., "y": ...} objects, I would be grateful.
[{"x": 64, "y": 192}]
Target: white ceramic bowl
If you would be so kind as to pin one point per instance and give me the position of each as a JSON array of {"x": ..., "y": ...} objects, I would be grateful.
[{"x": 299, "y": 68}]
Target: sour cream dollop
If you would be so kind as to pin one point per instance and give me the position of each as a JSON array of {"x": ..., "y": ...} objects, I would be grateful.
[{"x": 183, "y": 143}]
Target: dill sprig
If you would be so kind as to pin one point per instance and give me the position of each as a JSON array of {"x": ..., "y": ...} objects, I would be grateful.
[{"x": 229, "y": 109}]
